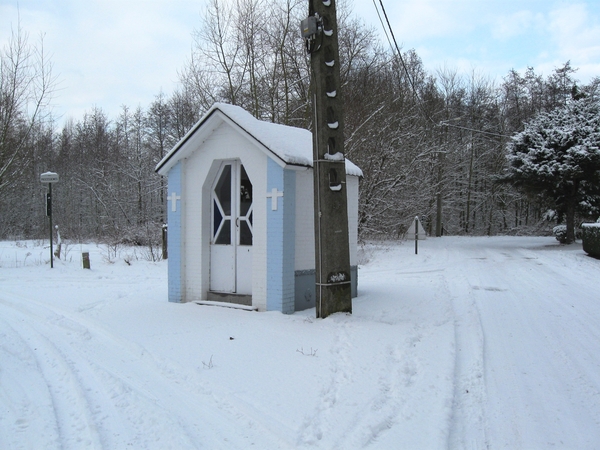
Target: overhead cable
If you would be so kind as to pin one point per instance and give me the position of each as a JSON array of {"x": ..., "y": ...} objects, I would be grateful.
[{"x": 410, "y": 80}]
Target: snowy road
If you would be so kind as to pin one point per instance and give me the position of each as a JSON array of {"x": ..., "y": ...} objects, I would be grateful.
[
  {"x": 534, "y": 367},
  {"x": 474, "y": 343}
]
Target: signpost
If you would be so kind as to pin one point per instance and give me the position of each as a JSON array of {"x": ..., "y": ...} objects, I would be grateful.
[{"x": 49, "y": 178}]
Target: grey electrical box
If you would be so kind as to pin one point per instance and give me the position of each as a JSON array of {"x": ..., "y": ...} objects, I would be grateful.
[{"x": 309, "y": 27}]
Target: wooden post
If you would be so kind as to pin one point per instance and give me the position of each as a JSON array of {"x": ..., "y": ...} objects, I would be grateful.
[
  {"x": 86, "y": 260},
  {"x": 165, "y": 235}
]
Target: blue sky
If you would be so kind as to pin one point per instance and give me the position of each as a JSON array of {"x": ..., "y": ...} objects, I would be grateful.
[{"x": 113, "y": 52}]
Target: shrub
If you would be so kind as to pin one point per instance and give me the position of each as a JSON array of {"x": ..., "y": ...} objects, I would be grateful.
[
  {"x": 560, "y": 233},
  {"x": 591, "y": 238}
]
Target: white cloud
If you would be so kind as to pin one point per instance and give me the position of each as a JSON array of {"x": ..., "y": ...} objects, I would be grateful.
[
  {"x": 422, "y": 19},
  {"x": 108, "y": 52},
  {"x": 113, "y": 52},
  {"x": 573, "y": 34},
  {"x": 497, "y": 36},
  {"x": 507, "y": 26},
  {"x": 576, "y": 34},
  {"x": 125, "y": 50}
]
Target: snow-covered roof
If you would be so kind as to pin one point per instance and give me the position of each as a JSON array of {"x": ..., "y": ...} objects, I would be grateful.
[{"x": 290, "y": 144}]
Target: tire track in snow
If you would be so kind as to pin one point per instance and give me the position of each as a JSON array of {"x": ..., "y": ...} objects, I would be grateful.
[
  {"x": 552, "y": 385},
  {"x": 540, "y": 369},
  {"x": 467, "y": 426},
  {"x": 21, "y": 398},
  {"x": 71, "y": 411},
  {"x": 110, "y": 393}
]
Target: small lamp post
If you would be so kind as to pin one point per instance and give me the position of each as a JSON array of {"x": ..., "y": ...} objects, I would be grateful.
[{"x": 49, "y": 178}]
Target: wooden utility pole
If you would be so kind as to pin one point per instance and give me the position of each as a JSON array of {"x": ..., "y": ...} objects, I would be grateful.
[{"x": 332, "y": 254}]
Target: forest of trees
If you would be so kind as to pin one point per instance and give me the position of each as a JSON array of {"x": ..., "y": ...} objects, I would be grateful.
[{"x": 432, "y": 144}]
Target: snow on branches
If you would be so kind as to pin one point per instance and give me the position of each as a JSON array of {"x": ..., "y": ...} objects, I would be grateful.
[{"x": 558, "y": 155}]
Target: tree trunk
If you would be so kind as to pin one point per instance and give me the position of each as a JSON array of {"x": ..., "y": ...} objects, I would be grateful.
[{"x": 570, "y": 218}]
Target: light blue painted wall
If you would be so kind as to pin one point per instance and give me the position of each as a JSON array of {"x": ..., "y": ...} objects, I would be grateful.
[
  {"x": 281, "y": 240},
  {"x": 174, "y": 235}
]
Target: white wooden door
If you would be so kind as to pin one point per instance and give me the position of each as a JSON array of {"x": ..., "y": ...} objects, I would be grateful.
[{"x": 231, "y": 230}]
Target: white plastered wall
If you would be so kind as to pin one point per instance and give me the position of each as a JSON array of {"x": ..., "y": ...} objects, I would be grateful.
[
  {"x": 305, "y": 227},
  {"x": 352, "y": 186},
  {"x": 200, "y": 169}
]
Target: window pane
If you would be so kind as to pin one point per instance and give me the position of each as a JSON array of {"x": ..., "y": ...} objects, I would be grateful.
[
  {"x": 245, "y": 193},
  {"x": 217, "y": 218},
  {"x": 224, "y": 237},
  {"x": 245, "y": 233},
  {"x": 223, "y": 190}
]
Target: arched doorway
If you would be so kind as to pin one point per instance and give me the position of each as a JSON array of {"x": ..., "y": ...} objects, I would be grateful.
[{"x": 231, "y": 231}]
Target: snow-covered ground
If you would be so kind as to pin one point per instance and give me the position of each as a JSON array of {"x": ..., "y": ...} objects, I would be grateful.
[{"x": 473, "y": 343}]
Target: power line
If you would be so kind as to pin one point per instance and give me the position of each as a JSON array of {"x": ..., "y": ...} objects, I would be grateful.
[
  {"x": 489, "y": 133},
  {"x": 410, "y": 80}
]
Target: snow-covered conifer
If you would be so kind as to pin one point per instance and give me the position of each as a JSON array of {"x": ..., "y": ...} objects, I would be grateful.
[{"x": 557, "y": 155}]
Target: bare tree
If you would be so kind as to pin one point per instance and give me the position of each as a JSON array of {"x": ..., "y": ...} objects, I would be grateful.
[{"x": 26, "y": 86}]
